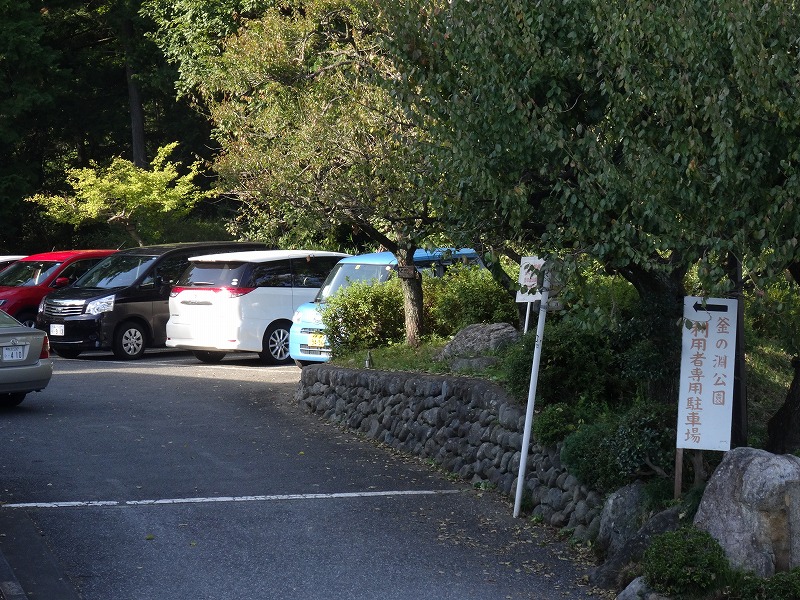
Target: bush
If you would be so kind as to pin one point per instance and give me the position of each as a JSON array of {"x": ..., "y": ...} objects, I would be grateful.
[
  {"x": 576, "y": 364},
  {"x": 587, "y": 455},
  {"x": 465, "y": 295},
  {"x": 781, "y": 586},
  {"x": 612, "y": 451},
  {"x": 557, "y": 421},
  {"x": 685, "y": 563},
  {"x": 364, "y": 315}
]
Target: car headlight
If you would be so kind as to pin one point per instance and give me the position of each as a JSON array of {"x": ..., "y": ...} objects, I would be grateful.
[{"x": 101, "y": 305}]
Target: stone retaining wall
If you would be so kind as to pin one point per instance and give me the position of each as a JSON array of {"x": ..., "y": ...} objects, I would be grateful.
[{"x": 468, "y": 426}]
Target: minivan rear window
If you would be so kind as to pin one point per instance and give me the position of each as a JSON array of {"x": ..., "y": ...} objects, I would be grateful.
[
  {"x": 115, "y": 271},
  {"x": 213, "y": 274}
]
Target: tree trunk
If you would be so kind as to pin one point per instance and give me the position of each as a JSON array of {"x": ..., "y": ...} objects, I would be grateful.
[
  {"x": 134, "y": 98},
  {"x": 661, "y": 295},
  {"x": 411, "y": 284},
  {"x": 783, "y": 429}
]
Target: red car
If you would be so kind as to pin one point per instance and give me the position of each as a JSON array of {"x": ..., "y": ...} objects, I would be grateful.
[{"x": 27, "y": 281}]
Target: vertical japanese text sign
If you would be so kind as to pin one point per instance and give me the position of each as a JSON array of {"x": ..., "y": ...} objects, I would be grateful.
[{"x": 705, "y": 404}]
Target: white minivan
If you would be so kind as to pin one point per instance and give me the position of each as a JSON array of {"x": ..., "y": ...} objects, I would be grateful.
[{"x": 244, "y": 301}]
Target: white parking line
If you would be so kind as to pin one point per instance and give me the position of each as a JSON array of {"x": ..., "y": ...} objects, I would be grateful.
[{"x": 94, "y": 503}]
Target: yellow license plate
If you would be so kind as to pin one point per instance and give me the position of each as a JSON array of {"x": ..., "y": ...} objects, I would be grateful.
[{"x": 317, "y": 340}]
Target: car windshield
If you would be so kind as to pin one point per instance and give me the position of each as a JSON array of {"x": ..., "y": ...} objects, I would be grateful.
[
  {"x": 212, "y": 274},
  {"x": 115, "y": 271},
  {"x": 28, "y": 273},
  {"x": 343, "y": 274}
]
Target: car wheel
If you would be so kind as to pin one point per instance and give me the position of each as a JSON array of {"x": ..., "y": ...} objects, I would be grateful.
[
  {"x": 67, "y": 352},
  {"x": 27, "y": 319},
  {"x": 209, "y": 356},
  {"x": 129, "y": 341},
  {"x": 9, "y": 400},
  {"x": 275, "y": 346}
]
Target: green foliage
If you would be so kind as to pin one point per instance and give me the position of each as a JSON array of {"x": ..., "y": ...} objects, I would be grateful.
[
  {"x": 557, "y": 421},
  {"x": 587, "y": 456},
  {"x": 747, "y": 586},
  {"x": 467, "y": 294},
  {"x": 364, "y": 315},
  {"x": 688, "y": 562},
  {"x": 616, "y": 448},
  {"x": 125, "y": 195}
]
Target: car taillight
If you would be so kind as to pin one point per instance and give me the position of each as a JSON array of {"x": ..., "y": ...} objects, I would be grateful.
[
  {"x": 235, "y": 292},
  {"x": 175, "y": 291},
  {"x": 45, "y": 353}
]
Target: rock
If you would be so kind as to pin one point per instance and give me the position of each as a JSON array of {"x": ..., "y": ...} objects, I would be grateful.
[
  {"x": 751, "y": 506},
  {"x": 639, "y": 590},
  {"x": 614, "y": 573},
  {"x": 478, "y": 339},
  {"x": 621, "y": 518}
]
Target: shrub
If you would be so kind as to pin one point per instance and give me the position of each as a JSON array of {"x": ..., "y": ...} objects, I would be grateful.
[
  {"x": 468, "y": 294},
  {"x": 575, "y": 364},
  {"x": 781, "y": 586},
  {"x": 688, "y": 562},
  {"x": 587, "y": 456},
  {"x": 557, "y": 421},
  {"x": 619, "y": 447},
  {"x": 364, "y": 315}
]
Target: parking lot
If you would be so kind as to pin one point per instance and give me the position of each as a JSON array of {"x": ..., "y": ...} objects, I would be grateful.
[{"x": 167, "y": 478}]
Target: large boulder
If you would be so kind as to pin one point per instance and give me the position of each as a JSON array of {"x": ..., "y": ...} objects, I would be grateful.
[
  {"x": 751, "y": 506},
  {"x": 622, "y": 516},
  {"x": 477, "y": 339}
]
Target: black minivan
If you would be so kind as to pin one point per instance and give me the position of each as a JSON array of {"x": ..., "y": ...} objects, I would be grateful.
[{"x": 122, "y": 303}]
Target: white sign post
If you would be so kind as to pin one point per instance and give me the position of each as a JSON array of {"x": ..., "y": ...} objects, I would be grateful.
[
  {"x": 705, "y": 404},
  {"x": 537, "y": 357},
  {"x": 530, "y": 267}
]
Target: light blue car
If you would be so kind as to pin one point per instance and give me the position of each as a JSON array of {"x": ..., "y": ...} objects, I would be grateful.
[{"x": 307, "y": 341}]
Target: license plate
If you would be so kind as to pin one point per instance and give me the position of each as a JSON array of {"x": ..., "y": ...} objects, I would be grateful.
[
  {"x": 317, "y": 340},
  {"x": 13, "y": 352},
  {"x": 56, "y": 329}
]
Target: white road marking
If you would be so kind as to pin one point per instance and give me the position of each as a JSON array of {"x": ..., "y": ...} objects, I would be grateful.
[{"x": 94, "y": 503}]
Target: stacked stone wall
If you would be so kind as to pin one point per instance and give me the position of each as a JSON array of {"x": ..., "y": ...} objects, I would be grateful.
[{"x": 468, "y": 426}]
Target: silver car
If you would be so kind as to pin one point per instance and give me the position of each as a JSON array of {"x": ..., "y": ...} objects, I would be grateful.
[{"x": 25, "y": 363}]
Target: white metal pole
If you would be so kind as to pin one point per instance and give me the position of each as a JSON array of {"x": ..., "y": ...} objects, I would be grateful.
[
  {"x": 527, "y": 317},
  {"x": 537, "y": 357}
]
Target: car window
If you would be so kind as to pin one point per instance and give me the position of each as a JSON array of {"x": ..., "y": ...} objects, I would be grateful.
[
  {"x": 275, "y": 273},
  {"x": 118, "y": 270},
  {"x": 211, "y": 274},
  {"x": 310, "y": 272},
  {"x": 74, "y": 270},
  {"x": 170, "y": 269},
  {"x": 28, "y": 273}
]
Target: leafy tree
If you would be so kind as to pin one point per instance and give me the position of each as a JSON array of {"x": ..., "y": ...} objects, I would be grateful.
[
  {"x": 311, "y": 145},
  {"x": 126, "y": 195},
  {"x": 646, "y": 136}
]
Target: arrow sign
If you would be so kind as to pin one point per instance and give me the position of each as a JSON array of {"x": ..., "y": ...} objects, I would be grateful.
[{"x": 699, "y": 307}]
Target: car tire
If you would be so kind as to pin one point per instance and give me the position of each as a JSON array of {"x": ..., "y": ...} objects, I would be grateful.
[
  {"x": 209, "y": 356},
  {"x": 11, "y": 400},
  {"x": 67, "y": 352},
  {"x": 28, "y": 319},
  {"x": 275, "y": 345},
  {"x": 130, "y": 341}
]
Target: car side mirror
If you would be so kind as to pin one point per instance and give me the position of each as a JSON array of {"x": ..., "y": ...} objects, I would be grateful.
[{"x": 61, "y": 282}]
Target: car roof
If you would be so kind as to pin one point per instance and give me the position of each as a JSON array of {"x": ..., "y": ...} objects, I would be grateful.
[
  {"x": 4, "y": 257},
  {"x": 388, "y": 258},
  {"x": 61, "y": 255},
  {"x": 160, "y": 249},
  {"x": 258, "y": 256}
]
